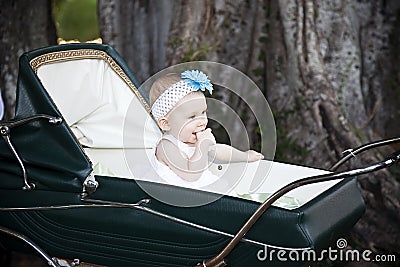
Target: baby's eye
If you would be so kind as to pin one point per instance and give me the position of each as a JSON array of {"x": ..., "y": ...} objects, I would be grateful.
[{"x": 192, "y": 117}]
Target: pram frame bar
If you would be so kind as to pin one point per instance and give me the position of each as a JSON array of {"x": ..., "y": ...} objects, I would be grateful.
[
  {"x": 50, "y": 261},
  {"x": 96, "y": 203},
  {"x": 353, "y": 152},
  {"x": 5, "y": 129}
]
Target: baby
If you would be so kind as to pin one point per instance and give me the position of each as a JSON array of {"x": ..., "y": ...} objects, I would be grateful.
[{"x": 179, "y": 107}]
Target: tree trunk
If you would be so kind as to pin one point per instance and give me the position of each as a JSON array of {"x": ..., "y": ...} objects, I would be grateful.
[
  {"x": 138, "y": 30},
  {"x": 24, "y": 26},
  {"x": 329, "y": 92}
]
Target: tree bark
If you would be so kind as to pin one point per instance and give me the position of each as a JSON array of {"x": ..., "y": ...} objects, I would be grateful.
[
  {"x": 329, "y": 95},
  {"x": 138, "y": 30},
  {"x": 24, "y": 25}
]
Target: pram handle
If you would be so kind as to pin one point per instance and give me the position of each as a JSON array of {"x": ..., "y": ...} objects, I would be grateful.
[
  {"x": 354, "y": 152},
  {"x": 219, "y": 260}
]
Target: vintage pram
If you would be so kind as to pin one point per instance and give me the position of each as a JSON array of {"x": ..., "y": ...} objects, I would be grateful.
[{"x": 68, "y": 195}]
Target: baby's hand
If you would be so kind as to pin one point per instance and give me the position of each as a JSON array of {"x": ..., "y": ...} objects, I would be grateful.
[
  {"x": 254, "y": 156},
  {"x": 206, "y": 136}
]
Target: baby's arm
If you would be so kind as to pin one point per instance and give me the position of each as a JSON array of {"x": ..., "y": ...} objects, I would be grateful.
[
  {"x": 189, "y": 169},
  {"x": 228, "y": 153}
]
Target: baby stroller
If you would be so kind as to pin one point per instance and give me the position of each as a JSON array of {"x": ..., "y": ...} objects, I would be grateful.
[{"x": 67, "y": 193}]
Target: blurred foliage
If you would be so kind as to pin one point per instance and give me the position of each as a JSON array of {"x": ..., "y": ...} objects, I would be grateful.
[{"x": 76, "y": 19}]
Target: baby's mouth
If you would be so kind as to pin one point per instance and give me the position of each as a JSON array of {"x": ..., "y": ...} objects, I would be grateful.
[{"x": 195, "y": 134}]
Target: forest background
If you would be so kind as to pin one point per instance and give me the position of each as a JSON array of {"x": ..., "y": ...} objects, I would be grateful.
[{"x": 330, "y": 71}]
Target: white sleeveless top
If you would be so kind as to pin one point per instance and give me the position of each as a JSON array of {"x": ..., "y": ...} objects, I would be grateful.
[{"x": 171, "y": 177}]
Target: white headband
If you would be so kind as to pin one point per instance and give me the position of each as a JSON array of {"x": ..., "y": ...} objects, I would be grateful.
[{"x": 193, "y": 80}]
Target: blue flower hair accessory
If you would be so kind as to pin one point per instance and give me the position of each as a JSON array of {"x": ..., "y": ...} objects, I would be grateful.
[
  {"x": 197, "y": 80},
  {"x": 192, "y": 81}
]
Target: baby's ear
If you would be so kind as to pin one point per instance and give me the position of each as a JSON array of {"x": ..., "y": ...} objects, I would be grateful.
[{"x": 163, "y": 124}]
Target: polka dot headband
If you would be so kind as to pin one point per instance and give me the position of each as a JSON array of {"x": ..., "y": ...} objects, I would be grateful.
[{"x": 192, "y": 81}]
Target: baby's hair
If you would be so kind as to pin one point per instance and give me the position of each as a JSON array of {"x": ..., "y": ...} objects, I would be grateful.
[{"x": 162, "y": 84}]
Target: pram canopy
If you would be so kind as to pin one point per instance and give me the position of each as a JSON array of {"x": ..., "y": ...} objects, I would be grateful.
[{"x": 67, "y": 185}]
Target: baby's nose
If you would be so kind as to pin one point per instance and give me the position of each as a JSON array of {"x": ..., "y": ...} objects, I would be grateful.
[{"x": 202, "y": 121}]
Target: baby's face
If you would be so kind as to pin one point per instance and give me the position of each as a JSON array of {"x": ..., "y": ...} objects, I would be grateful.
[{"x": 188, "y": 117}]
